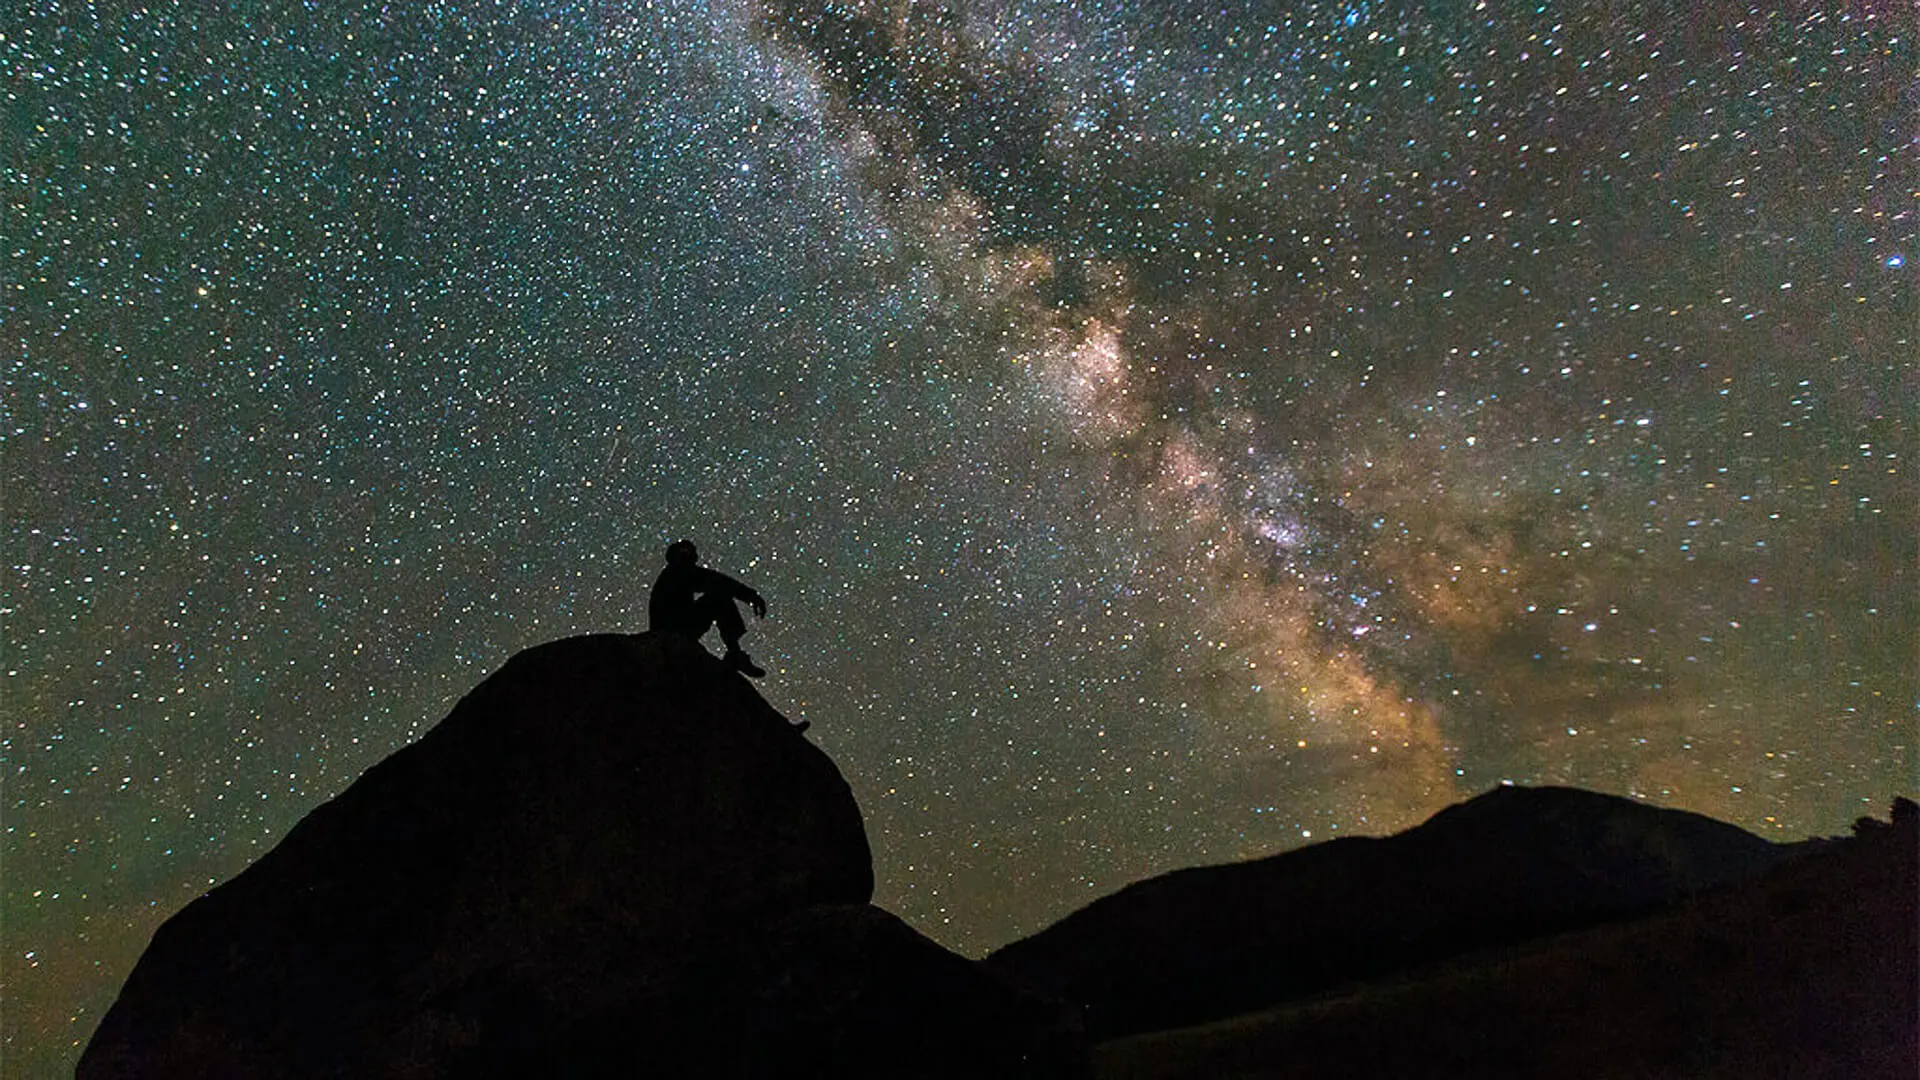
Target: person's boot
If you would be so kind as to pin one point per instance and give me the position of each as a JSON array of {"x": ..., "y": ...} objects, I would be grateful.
[{"x": 742, "y": 663}]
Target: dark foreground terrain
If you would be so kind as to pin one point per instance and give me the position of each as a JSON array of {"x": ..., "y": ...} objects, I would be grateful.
[{"x": 614, "y": 859}]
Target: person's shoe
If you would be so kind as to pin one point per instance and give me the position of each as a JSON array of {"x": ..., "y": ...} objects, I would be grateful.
[
  {"x": 801, "y": 725},
  {"x": 742, "y": 663}
]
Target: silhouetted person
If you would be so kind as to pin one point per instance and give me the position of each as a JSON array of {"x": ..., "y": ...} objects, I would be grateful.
[{"x": 690, "y": 599}]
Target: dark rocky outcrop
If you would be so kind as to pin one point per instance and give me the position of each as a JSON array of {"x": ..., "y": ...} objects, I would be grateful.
[
  {"x": 1513, "y": 864},
  {"x": 612, "y": 858}
]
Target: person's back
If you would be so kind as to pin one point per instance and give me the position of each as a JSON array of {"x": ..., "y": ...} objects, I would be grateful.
[
  {"x": 689, "y": 599},
  {"x": 670, "y": 606}
]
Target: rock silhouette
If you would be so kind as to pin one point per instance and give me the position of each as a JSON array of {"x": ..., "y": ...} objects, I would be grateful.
[
  {"x": 612, "y": 858},
  {"x": 1513, "y": 864}
]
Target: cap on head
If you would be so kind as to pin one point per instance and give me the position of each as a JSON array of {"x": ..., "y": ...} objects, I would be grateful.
[{"x": 682, "y": 551}]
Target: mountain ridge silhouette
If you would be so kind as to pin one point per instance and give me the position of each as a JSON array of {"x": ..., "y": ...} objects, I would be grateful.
[{"x": 1511, "y": 864}]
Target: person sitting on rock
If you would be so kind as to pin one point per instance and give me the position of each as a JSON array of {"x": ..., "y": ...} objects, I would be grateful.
[{"x": 690, "y": 599}]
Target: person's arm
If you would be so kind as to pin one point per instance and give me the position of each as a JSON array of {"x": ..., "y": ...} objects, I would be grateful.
[{"x": 719, "y": 582}]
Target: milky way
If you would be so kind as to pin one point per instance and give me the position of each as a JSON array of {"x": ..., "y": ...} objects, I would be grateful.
[{"x": 1166, "y": 434}]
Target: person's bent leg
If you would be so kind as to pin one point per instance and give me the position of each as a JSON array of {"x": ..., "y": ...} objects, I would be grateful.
[
  {"x": 725, "y": 615},
  {"x": 732, "y": 629}
]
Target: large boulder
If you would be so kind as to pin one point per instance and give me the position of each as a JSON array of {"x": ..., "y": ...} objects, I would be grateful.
[{"x": 612, "y": 854}]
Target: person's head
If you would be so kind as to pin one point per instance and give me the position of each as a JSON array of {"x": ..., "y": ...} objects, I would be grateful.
[{"x": 682, "y": 553}]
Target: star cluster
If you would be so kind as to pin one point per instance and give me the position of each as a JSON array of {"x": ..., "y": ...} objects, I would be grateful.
[{"x": 1166, "y": 435}]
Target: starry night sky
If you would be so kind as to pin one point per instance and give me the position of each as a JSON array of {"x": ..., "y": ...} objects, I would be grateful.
[{"x": 1166, "y": 433}]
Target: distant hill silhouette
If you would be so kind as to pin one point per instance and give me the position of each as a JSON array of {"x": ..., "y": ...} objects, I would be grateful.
[
  {"x": 1513, "y": 864},
  {"x": 612, "y": 859},
  {"x": 1810, "y": 971}
]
